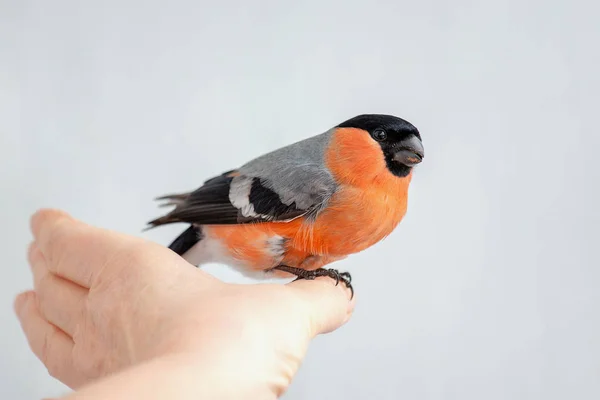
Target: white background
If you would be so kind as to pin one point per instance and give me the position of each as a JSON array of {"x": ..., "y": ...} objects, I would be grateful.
[{"x": 490, "y": 287}]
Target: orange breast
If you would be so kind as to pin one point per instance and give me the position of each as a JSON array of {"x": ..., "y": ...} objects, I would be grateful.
[
  {"x": 355, "y": 220},
  {"x": 371, "y": 201}
]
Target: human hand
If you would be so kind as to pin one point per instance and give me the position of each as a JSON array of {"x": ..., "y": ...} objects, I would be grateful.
[{"x": 104, "y": 301}]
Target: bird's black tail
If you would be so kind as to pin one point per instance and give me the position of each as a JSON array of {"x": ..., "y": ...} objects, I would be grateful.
[
  {"x": 187, "y": 240},
  {"x": 190, "y": 236}
]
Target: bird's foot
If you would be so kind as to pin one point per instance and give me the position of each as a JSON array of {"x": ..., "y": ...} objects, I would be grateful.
[{"x": 345, "y": 277}]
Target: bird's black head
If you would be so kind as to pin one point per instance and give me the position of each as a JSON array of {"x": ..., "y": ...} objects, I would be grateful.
[{"x": 400, "y": 141}]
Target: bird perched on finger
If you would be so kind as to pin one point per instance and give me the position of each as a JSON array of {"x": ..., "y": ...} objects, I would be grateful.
[{"x": 293, "y": 211}]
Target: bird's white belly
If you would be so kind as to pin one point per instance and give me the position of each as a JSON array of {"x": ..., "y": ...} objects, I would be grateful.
[{"x": 211, "y": 250}]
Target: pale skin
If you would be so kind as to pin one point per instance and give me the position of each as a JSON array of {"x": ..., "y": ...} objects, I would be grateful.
[{"x": 117, "y": 317}]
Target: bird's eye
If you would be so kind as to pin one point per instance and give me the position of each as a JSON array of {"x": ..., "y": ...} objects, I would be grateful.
[{"x": 380, "y": 135}]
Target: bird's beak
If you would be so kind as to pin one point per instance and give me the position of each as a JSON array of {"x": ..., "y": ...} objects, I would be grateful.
[{"x": 410, "y": 152}]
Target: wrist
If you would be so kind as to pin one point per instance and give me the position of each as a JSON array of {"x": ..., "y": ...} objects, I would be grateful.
[{"x": 179, "y": 376}]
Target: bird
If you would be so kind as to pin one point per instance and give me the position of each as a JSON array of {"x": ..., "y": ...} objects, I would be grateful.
[{"x": 293, "y": 211}]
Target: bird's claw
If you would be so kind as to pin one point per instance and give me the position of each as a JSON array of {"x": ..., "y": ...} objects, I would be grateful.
[{"x": 311, "y": 275}]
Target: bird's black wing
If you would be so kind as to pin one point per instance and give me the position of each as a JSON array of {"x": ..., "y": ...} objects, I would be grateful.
[{"x": 227, "y": 199}]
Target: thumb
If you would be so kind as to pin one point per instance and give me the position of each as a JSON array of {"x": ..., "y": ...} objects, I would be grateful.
[{"x": 329, "y": 306}]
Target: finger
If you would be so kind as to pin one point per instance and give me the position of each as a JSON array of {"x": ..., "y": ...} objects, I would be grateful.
[
  {"x": 329, "y": 305},
  {"x": 52, "y": 346},
  {"x": 73, "y": 250},
  {"x": 61, "y": 302}
]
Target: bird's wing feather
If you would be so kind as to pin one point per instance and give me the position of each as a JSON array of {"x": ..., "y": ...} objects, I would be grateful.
[{"x": 276, "y": 187}]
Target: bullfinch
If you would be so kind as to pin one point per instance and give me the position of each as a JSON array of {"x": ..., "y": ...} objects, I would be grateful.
[{"x": 292, "y": 211}]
